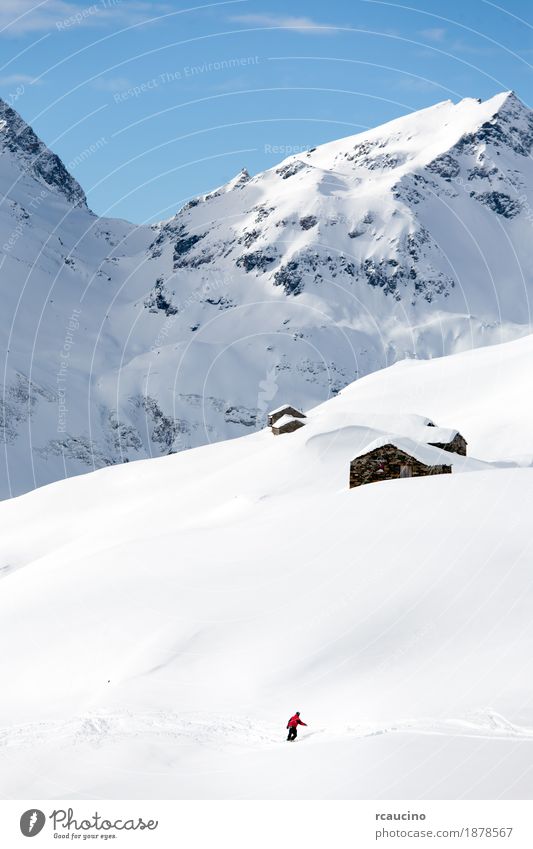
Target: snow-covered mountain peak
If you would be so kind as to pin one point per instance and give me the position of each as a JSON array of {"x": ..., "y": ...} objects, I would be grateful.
[
  {"x": 236, "y": 182},
  {"x": 359, "y": 209},
  {"x": 412, "y": 141},
  {"x": 505, "y": 101},
  {"x": 409, "y": 240},
  {"x": 20, "y": 144}
]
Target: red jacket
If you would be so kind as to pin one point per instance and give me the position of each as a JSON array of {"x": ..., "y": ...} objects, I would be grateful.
[{"x": 294, "y": 721}]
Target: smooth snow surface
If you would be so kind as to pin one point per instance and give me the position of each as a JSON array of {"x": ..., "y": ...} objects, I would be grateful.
[{"x": 161, "y": 620}]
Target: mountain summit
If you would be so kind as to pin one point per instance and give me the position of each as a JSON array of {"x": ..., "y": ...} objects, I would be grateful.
[{"x": 409, "y": 240}]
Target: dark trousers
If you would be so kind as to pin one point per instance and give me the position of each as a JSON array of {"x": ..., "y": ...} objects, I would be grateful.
[{"x": 293, "y": 733}]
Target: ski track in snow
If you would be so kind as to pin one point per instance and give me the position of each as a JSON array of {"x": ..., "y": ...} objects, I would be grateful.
[{"x": 219, "y": 732}]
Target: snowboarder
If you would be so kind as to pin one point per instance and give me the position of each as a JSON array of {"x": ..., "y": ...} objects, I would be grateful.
[{"x": 293, "y": 724}]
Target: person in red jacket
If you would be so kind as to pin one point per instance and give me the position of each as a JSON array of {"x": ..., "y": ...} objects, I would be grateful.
[{"x": 293, "y": 724}]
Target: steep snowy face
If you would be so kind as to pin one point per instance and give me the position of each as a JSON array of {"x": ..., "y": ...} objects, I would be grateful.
[
  {"x": 410, "y": 240},
  {"x": 17, "y": 140}
]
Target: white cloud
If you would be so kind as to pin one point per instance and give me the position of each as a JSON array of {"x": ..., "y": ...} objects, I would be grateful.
[
  {"x": 434, "y": 34},
  {"x": 420, "y": 84},
  {"x": 298, "y": 24},
  {"x": 18, "y": 79},
  {"x": 112, "y": 84},
  {"x": 22, "y": 17}
]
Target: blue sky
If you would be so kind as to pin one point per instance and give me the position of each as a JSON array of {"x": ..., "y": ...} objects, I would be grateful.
[{"x": 152, "y": 103}]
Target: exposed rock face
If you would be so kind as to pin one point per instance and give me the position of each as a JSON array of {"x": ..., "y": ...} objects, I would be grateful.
[
  {"x": 499, "y": 202},
  {"x": 159, "y": 299}
]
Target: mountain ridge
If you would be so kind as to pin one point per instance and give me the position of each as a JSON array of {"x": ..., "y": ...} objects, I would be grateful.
[{"x": 17, "y": 137}]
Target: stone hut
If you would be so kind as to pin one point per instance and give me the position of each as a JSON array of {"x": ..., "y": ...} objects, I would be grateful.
[
  {"x": 286, "y": 424},
  {"x": 285, "y": 410},
  {"x": 451, "y": 441},
  {"x": 388, "y": 459}
]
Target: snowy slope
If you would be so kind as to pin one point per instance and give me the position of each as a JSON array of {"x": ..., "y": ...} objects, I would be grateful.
[
  {"x": 482, "y": 392},
  {"x": 165, "y": 618},
  {"x": 410, "y": 240}
]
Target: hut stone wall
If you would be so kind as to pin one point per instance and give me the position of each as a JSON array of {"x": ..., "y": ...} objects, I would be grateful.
[
  {"x": 456, "y": 446},
  {"x": 389, "y": 463},
  {"x": 289, "y": 427}
]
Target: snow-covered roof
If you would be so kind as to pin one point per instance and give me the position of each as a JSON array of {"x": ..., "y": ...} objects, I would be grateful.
[
  {"x": 439, "y": 434},
  {"x": 410, "y": 425},
  {"x": 285, "y": 407},
  {"x": 284, "y": 420},
  {"x": 421, "y": 451}
]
